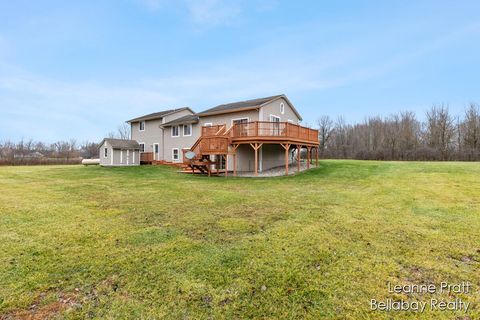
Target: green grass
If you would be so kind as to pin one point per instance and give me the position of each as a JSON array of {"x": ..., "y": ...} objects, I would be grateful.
[{"x": 146, "y": 242}]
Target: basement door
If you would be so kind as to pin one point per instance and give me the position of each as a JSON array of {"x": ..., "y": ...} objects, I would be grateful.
[{"x": 156, "y": 151}]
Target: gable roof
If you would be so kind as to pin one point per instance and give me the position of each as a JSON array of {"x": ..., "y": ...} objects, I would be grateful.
[
  {"x": 191, "y": 118},
  {"x": 121, "y": 143},
  {"x": 246, "y": 105},
  {"x": 158, "y": 115}
]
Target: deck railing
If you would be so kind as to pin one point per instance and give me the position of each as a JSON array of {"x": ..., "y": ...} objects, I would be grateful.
[
  {"x": 277, "y": 130},
  {"x": 146, "y": 156},
  {"x": 212, "y": 130}
]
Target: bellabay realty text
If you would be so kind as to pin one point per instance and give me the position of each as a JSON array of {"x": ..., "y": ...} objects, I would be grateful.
[{"x": 415, "y": 291}]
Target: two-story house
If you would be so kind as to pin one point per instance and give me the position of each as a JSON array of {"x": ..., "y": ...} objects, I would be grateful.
[{"x": 252, "y": 135}]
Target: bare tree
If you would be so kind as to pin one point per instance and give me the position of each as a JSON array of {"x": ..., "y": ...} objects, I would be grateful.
[
  {"x": 440, "y": 130},
  {"x": 470, "y": 129},
  {"x": 325, "y": 129}
]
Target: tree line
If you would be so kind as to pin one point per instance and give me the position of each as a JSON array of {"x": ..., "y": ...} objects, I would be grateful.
[
  {"x": 29, "y": 152},
  {"x": 401, "y": 136}
]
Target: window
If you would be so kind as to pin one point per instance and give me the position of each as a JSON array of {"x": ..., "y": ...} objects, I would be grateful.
[
  {"x": 175, "y": 132},
  {"x": 141, "y": 126},
  {"x": 175, "y": 154},
  {"x": 275, "y": 125},
  {"x": 142, "y": 147},
  {"x": 105, "y": 152},
  {"x": 240, "y": 127},
  {"x": 187, "y": 130},
  {"x": 282, "y": 108}
]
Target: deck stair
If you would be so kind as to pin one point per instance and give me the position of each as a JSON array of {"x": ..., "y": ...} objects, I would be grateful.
[{"x": 214, "y": 140}]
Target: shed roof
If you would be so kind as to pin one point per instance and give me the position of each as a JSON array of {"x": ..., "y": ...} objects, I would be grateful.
[{"x": 121, "y": 143}]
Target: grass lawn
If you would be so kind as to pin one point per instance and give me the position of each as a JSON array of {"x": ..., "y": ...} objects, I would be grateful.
[{"x": 146, "y": 242}]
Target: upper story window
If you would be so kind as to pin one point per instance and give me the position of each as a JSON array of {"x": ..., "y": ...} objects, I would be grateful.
[
  {"x": 282, "y": 108},
  {"x": 175, "y": 131},
  {"x": 187, "y": 130},
  {"x": 142, "y": 147},
  {"x": 141, "y": 126},
  {"x": 105, "y": 152}
]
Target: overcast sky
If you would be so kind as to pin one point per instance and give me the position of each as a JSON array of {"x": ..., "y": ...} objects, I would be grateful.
[{"x": 78, "y": 69}]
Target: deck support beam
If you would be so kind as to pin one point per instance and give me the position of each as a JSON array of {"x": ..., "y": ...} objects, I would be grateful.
[
  {"x": 309, "y": 150},
  {"x": 226, "y": 165},
  {"x": 234, "y": 150},
  {"x": 299, "y": 151},
  {"x": 287, "y": 148},
  {"x": 255, "y": 147}
]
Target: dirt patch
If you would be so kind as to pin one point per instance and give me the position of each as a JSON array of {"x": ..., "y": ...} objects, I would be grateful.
[{"x": 46, "y": 311}]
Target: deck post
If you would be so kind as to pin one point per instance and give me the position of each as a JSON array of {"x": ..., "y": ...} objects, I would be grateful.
[
  {"x": 286, "y": 147},
  {"x": 316, "y": 154},
  {"x": 234, "y": 151},
  {"x": 309, "y": 149},
  {"x": 256, "y": 160},
  {"x": 226, "y": 165},
  {"x": 255, "y": 147},
  {"x": 299, "y": 151}
]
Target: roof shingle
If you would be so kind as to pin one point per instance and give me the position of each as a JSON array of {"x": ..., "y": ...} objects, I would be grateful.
[
  {"x": 157, "y": 115},
  {"x": 239, "y": 105},
  {"x": 121, "y": 143}
]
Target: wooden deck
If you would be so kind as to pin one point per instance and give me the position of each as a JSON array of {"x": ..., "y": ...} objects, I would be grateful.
[
  {"x": 219, "y": 141},
  {"x": 275, "y": 132}
]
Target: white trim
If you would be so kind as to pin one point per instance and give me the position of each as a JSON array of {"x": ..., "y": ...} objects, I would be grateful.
[
  {"x": 208, "y": 124},
  {"x": 133, "y": 151},
  {"x": 191, "y": 129},
  {"x": 171, "y": 131},
  {"x": 243, "y": 118},
  {"x": 140, "y": 149},
  {"x": 155, "y": 153},
  {"x": 282, "y": 108},
  {"x": 178, "y": 153},
  {"x": 111, "y": 156},
  {"x": 291, "y": 121},
  {"x": 274, "y": 116},
  {"x": 121, "y": 156},
  {"x": 140, "y": 125},
  {"x": 128, "y": 155}
]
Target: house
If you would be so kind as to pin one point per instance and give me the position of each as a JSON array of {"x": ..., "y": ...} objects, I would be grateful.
[
  {"x": 118, "y": 152},
  {"x": 253, "y": 135},
  {"x": 148, "y": 132}
]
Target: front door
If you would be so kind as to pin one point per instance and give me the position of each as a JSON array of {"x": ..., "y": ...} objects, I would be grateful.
[{"x": 156, "y": 151}]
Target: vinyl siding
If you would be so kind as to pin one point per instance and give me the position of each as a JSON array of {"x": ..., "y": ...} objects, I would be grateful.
[{"x": 273, "y": 108}]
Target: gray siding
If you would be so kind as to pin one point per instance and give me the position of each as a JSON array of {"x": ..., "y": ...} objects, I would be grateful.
[
  {"x": 273, "y": 108},
  {"x": 227, "y": 119},
  {"x": 105, "y": 161},
  {"x": 116, "y": 157},
  {"x": 180, "y": 142},
  {"x": 152, "y": 134}
]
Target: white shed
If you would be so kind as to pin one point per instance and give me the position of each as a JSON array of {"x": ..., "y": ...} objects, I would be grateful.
[{"x": 119, "y": 152}]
